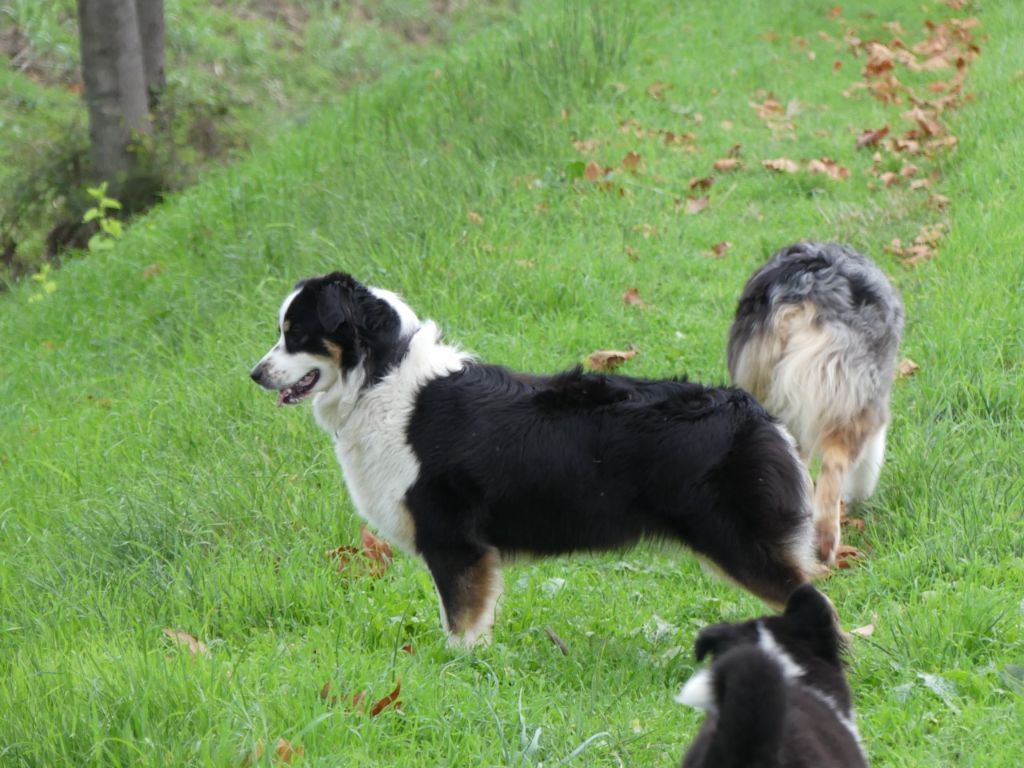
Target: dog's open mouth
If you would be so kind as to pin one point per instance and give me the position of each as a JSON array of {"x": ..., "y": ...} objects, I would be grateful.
[{"x": 299, "y": 390}]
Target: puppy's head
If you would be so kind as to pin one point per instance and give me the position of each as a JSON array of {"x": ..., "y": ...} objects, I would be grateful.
[
  {"x": 807, "y": 632},
  {"x": 330, "y": 328}
]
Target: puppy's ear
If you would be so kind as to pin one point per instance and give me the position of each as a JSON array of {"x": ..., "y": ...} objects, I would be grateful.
[
  {"x": 713, "y": 640},
  {"x": 809, "y": 607},
  {"x": 330, "y": 306},
  {"x": 812, "y": 615}
]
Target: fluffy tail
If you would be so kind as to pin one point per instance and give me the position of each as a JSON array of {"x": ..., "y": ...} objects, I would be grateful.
[{"x": 747, "y": 690}]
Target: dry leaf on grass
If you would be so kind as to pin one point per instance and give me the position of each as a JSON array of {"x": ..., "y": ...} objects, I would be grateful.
[
  {"x": 285, "y": 752},
  {"x": 871, "y": 136},
  {"x": 631, "y": 298},
  {"x": 695, "y": 205},
  {"x": 781, "y": 165},
  {"x": 185, "y": 639},
  {"x": 830, "y": 168},
  {"x": 907, "y": 368},
  {"x": 703, "y": 182},
  {"x": 609, "y": 359},
  {"x": 586, "y": 146},
  {"x": 475, "y": 218},
  {"x": 593, "y": 172},
  {"x": 376, "y": 550},
  {"x": 656, "y": 90},
  {"x": 632, "y": 161},
  {"x": 727, "y": 164},
  {"x": 391, "y": 698},
  {"x": 254, "y": 755},
  {"x": 847, "y": 555},
  {"x": 376, "y": 554},
  {"x": 866, "y": 631},
  {"x": 720, "y": 249}
]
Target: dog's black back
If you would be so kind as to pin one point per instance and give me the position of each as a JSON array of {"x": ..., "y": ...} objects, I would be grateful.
[
  {"x": 550, "y": 465},
  {"x": 778, "y": 697}
]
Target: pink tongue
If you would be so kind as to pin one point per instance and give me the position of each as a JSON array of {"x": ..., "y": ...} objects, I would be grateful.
[{"x": 282, "y": 396}]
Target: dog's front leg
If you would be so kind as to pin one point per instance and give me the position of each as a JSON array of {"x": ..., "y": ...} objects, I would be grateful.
[{"x": 468, "y": 581}]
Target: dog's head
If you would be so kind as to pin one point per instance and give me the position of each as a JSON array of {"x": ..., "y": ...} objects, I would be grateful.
[
  {"x": 805, "y": 641},
  {"x": 334, "y": 332},
  {"x": 806, "y": 632}
]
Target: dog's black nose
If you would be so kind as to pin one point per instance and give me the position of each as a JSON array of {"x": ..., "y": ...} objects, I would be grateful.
[{"x": 256, "y": 373}]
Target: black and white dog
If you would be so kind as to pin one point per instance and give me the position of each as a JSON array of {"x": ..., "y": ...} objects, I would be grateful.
[
  {"x": 464, "y": 464},
  {"x": 815, "y": 339},
  {"x": 776, "y": 694}
]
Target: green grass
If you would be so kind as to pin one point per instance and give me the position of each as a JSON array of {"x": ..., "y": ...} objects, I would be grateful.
[
  {"x": 146, "y": 483},
  {"x": 238, "y": 72}
]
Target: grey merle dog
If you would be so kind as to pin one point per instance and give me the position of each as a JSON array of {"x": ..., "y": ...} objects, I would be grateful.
[{"x": 815, "y": 340}]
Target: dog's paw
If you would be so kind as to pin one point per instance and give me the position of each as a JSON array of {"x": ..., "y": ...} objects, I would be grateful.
[{"x": 828, "y": 543}]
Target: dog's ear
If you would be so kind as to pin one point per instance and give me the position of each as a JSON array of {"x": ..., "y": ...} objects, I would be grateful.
[
  {"x": 811, "y": 614},
  {"x": 809, "y": 607},
  {"x": 713, "y": 640},
  {"x": 331, "y": 305}
]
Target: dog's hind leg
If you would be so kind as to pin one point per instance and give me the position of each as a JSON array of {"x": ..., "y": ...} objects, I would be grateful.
[
  {"x": 840, "y": 448},
  {"x": 468, "y": 581},
  {"x": 861, "y": 480}
]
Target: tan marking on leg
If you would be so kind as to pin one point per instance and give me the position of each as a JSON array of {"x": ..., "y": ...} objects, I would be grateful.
[
  {"x": 479, "y": 589},
  {"x": 840, "y": 448}
]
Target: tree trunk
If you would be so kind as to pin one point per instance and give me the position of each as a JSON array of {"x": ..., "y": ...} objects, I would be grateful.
[
  {"x": 151, "y": 33},
  {"x": 115, "y": 85}
]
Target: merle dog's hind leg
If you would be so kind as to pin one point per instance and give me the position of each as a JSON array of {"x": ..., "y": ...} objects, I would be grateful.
[{"x": 468, "y": 582}]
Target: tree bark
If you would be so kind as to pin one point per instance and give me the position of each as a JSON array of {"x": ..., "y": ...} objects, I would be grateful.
[
  {"x": 115, "y": 85},
  {"x": 151, "y": 33}
]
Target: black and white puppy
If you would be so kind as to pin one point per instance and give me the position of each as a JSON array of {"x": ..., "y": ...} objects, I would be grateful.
[
  {"x": 464, "y": 464},
  {"x": 815, "y": 339},
  {"x": 776, "y": 694}
]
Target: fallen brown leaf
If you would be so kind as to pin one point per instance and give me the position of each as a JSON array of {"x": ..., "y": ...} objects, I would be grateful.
[
  {"x": 407, "y": 648},
  {"x": 695, "y": 205},
  {"x": 376, "y": 550},
  {"x": 907, "y": 368},
  {"x": 871, "y": 136},
  {"x": 475, "y": 217},
  {"x": 285, "y": 752},
  {"x": 609, "y": 359},
  {"x": 631, "y": 298},
  {"x": 735, "y": 150},
  {"x": 866, "y": 631},
  {"x": 926, "y": 121},
  {"x": 830, "y": 168},
  {"x": 593, "y": 171},
  {"x": 936, "y": 200},
  {"x": 254, "y": 755},
  {"x": 684, "y": 139},
  {"x": 781, "y": 165},
  {"x": 184, "y": 638},
  {"x": 703, "y": 182},
  {"x": 656, "y": 90},
  {"x": 586, "y": 146},
  {"x": 631, "y": 162},
  {"x": 727, "y": 164},
  {"x": 720, "y": 249},
  {"x": 847, "y": 555},
  {"x": 391, "y": 698}
]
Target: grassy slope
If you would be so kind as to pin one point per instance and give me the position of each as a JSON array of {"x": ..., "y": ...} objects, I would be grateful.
[
  {"x": 147, "y": 484},
  {"x": 237, "y": 70}
]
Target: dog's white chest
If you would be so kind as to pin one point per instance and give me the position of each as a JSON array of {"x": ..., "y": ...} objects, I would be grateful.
[{"x": 379, "y": 471}]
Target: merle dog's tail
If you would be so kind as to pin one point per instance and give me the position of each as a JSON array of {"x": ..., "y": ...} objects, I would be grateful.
[{"x": 747, "y": 691}]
